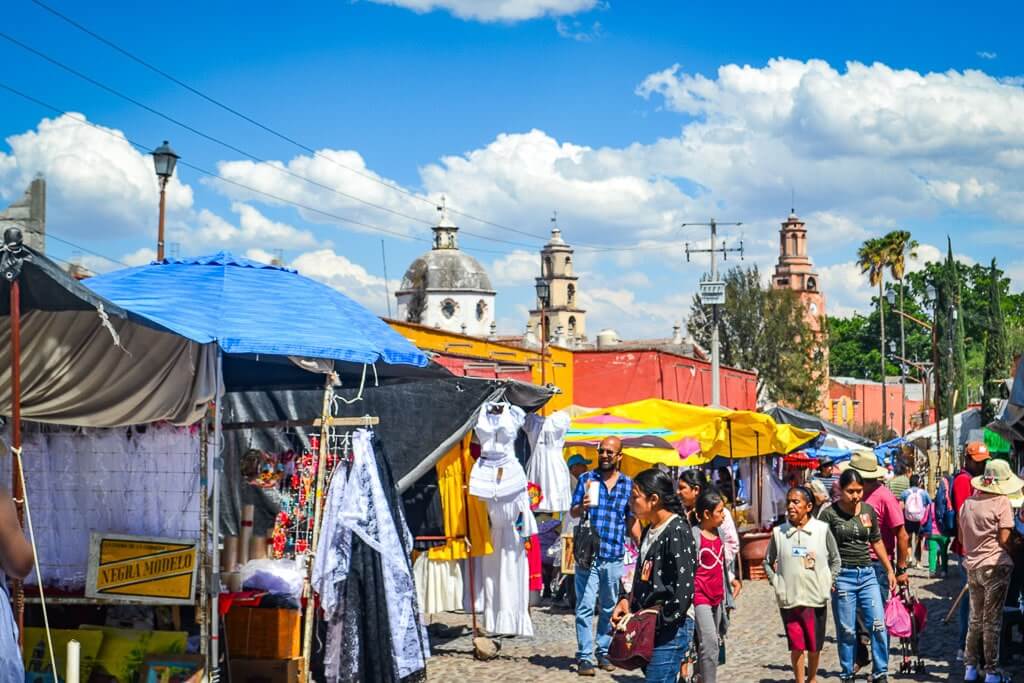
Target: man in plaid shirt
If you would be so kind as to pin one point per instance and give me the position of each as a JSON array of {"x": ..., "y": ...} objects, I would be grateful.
[{"x": 610, "y": 517}]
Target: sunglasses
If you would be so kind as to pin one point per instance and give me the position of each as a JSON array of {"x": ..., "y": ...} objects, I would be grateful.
[{"x": 606, "y": 451}]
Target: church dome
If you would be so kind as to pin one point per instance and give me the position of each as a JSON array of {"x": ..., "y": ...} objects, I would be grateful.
[{"x": 447, "y": 269}]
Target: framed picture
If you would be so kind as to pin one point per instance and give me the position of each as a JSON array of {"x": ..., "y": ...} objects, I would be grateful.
[{"x": 172, "y": 669}]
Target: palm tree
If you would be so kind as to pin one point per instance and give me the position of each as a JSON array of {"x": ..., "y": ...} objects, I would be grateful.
[
  {"x": 873, "y": 257},
  {"x": 900, "y": 246}
]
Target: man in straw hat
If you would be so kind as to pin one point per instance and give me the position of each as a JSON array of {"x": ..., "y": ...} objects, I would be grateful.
[
  {"x": 890, "y": 524},
  {"x": 986, "y": 519},
  {"x": 975, "y": 456}
]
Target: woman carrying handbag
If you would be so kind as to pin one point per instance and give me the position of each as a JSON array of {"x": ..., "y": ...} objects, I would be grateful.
[{"x": 651, "y": 629}]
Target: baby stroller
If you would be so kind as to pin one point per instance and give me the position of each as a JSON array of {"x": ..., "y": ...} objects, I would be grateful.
[{"x": 906, "y": 618}]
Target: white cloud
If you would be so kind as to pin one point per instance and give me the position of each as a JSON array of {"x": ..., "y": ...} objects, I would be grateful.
[
  {"x": 630, "y": 316},
  {"x": 497, "y": 10},
  {"x": 253, "y": 230},
  {"x": 985, "y": 54},
  {"x": 347, "y": 277},
  {"x": 139, "y": 257},
  {"x": 97, "y": 183},
  {"x": 575, "y": 29},
  {"x": 517, "y": 268}
]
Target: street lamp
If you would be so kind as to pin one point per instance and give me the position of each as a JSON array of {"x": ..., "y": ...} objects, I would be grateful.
[
  {"x": 543, "y": 292},
  {"x": 164, "y": 161}
]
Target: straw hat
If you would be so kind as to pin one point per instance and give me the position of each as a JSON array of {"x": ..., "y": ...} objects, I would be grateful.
[
  {"x": 998, "y": 478},
  {"x": 866, "y": 464}
]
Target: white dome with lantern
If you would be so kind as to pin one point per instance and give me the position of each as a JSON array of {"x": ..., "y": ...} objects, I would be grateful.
[{"x": 446, "y": 288}]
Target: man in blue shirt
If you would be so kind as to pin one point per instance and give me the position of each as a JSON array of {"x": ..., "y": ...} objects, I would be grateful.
[{"x": 608, "y": 508}]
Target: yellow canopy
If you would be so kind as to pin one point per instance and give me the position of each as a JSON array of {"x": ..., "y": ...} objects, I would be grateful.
[{"x": 752, "y": 433}]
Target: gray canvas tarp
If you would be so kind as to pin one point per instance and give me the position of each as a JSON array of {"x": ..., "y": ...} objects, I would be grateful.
[{"x": 74, "y": 373}]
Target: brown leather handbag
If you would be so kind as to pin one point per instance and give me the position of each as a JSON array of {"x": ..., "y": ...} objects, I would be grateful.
[{"x": 633, "y": 639}]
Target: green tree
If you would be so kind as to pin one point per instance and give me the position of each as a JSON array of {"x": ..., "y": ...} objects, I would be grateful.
[
  {"x": 873, "y": 257},
  {"x": 951, "y": 388},
  {"x": 997, "y": 363},
  {"x": 766, "y": 330}
]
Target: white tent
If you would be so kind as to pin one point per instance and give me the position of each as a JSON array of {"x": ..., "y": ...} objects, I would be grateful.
[{"x": 963, "y": 423}]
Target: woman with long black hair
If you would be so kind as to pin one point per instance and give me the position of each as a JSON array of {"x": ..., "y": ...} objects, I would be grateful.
[
  {"x": 692, "y": 483},
  {"x": 664, "y": 574}
]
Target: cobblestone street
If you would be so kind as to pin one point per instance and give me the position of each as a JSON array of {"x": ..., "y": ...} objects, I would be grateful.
[{"x": 756, "y": 648}]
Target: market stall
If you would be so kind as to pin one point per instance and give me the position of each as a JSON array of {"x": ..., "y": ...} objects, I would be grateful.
[{"x": 271, "y": 329}]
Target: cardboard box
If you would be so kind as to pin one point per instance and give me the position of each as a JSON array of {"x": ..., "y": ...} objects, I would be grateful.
[
  {"x": 263, "y": 633},
  {"x": 265, "y": 670}
]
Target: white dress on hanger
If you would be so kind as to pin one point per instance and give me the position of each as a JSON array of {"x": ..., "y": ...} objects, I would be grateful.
[
  {"x": 546, "y": 466},
  {"x": 503, "y": 588},
  {"x": 497, "y": 474}
]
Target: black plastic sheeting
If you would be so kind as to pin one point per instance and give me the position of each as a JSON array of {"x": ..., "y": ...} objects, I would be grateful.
[
  {"x": 416, "y": 418},
  {"x": 804, "y": 420}
]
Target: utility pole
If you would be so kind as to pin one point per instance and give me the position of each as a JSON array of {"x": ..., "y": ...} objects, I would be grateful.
[{"x": 712, "y": 292}]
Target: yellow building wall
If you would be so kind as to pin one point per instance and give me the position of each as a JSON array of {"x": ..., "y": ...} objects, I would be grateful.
[{"x": 558, "y": 367}]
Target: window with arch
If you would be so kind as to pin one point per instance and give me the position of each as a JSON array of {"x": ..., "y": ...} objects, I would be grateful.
[
  {"x": 448, "y": 307},
  {"x": 812, "y": 284},
  {"x": 796, "y": 245},
  {"x": 547, "y": 266},
  {"x": 572, "y": 326},
  {"x": 481, "y": 309},
  {"x": 568, "y": 265},
  {"x": 571, "y": 290}
]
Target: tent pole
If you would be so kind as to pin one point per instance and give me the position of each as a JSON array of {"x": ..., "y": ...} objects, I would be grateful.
[
  {"x": 18, "y": 493},
  {"x": 204, "y": 534},
  {"x": 318, "y": 506},
  {"x": 759, "y": 492},
  {"x": 218, "y": 471},
  {"x": 469, "y": 545},
  {"x": 732, "y": 463}
]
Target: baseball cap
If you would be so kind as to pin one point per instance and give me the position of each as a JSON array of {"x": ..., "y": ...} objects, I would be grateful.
[
  {"x": 578, "y": 459},
  {"x": 977, "y": 451}
]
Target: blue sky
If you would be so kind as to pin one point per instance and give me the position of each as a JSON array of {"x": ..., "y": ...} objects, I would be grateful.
[{"x": 627, "y": 117}]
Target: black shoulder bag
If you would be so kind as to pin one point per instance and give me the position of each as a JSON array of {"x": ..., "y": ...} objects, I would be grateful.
[{"x": 585, "y": 542}]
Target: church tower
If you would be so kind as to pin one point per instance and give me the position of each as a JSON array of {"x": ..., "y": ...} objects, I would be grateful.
[
  {"x": 566, "y": 321},
  {"x": 795, "y": 271}
]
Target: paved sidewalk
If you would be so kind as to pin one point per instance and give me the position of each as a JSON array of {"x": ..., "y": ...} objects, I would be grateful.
[{"x": 756, "y": 647}]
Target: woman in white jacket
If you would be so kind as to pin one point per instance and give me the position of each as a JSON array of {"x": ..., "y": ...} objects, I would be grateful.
[{"x": 801, "y": 563}]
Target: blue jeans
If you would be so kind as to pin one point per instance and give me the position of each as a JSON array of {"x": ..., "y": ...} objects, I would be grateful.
[
  {"x": 665, "y": 662},
  {"x": 965, "y": 605},
  {"x": 599, "y": 585},
  {"x": 857, "y": 590}
]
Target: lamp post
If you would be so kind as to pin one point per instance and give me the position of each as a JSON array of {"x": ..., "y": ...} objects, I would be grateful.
[
  {"x": 164, "y": 161},
  {"x": 543, "y": 292},
  {"x": 891, "y": 296}
]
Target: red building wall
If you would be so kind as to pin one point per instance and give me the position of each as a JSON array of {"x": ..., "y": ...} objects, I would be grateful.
[
  {"x": 867, "y": 407},
  {"x": 609, "y": 377}
]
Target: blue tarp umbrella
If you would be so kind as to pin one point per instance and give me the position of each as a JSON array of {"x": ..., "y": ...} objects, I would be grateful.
[{"x": 254, "y": 308}]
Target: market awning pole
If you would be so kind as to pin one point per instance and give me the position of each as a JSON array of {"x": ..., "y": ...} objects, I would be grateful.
[
  {"x": 464, "y": 456},
  {"x": 218, "y": 471},
  {"x": 760, "y": 482},
  {"x": 19, "y": 494},
  {"x": 732, "y": 464},
  {"x": 204, "y": 541}
]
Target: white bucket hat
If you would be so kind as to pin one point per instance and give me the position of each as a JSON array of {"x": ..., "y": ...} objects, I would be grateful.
[{"x": 998, "y": 478}]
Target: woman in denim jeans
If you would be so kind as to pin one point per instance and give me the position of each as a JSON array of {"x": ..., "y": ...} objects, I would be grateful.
[
  {"x": 664, "y": 573},
  {"x": 854, "y": 525}
]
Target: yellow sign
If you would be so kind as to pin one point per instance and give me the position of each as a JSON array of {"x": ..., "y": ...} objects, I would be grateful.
[{"x": 139, "y": 569}]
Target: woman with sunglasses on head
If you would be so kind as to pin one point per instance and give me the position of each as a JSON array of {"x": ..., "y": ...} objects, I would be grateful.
[
  {"x": 664, "y": 574},
  {"x": 802, "y": 563},
  {"x": 854, "y": 524}
]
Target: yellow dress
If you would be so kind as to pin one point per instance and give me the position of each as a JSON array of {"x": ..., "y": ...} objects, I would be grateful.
[{"x": 452, "y": 476}]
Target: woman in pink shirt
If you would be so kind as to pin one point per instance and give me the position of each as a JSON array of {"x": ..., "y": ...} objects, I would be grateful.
[{"x": 986, "y": 519}]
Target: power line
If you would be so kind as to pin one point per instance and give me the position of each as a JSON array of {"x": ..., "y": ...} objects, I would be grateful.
[
  {"x": 282, "y": 136},
  {"x": 229, "y": 146}
]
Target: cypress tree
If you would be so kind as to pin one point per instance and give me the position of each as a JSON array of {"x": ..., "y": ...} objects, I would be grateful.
[{"x": 997, "y": 365}]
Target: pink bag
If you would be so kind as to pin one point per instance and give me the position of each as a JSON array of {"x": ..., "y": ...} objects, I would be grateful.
[{"x": 897, "y": 617}]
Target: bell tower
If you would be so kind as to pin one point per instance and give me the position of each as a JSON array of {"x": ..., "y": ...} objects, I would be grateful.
[{"x": 565, "y": 319}]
